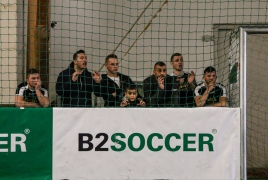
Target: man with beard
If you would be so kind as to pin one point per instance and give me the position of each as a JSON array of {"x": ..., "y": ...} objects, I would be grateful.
[
  {"x": 31, "y": 93},
  {"x": 155, "y": 94},
  {"x": 75, "y": 84},
  {"x": 210, "y": 93},
  {"x": 181, "y": 84},
  {"x": 113, "y": 84}
]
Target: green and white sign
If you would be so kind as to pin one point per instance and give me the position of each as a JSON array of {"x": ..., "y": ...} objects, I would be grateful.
[{"x": 102, "y": 143}]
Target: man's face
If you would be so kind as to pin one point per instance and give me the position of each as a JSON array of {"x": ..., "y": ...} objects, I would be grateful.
[
  {"x": 131, "y": 94},
  {"x": 112, "y": 65},
  {"x": 33, "y": 79},
  {"x": 210, "y": 77},
  {"x": 160, "y": 71},
  {"x": 177, "y": 63},
  {"x": 81, "y": 61}
]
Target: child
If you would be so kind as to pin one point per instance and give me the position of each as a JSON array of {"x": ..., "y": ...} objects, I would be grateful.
[{"x": 130, "y": 99}]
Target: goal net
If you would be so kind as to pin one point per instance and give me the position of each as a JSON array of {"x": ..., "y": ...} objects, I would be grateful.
[{"x": 45, "y": 35}]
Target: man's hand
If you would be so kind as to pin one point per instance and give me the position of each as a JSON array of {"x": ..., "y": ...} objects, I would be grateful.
[
  {"x": 160, "y": 81},
  {"x": 114, "y": 94},
  {"x": 191, "y": 77},
  {"x": 36, "y": 105},
  {"x": 211, "y": 86},
  {"x": 96, "y": 76},
  {"x": 180, "y": 80},
  {"x": 38, "y": 85},
  {"x": 142, "y": 103},
  {"x": 75, "y": 76}
]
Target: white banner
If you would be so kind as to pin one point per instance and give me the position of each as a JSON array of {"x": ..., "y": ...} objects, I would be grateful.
[{"x": 146, "y": 143}]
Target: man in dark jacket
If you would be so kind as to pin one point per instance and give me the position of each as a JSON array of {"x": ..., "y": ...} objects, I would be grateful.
[
  {"x": 181, "y": 83},
  {"x": 75, "y": 84},
  {"x": 113, "y": 84},
  {"x": 154, "y": 88}
]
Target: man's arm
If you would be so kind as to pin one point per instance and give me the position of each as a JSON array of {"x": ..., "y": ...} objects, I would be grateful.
[
  {"x": 19, "y": 102},
  {"x": 97, "y": 79},
  {"x": 200, "y": 100},
  {"x": 191, "y": 80},
  {"x": 43, "y": 100},
  {"x": 221, "y": 103},
  {"x": 151, "y": 96},
  {"x": 65, "y": 85}
]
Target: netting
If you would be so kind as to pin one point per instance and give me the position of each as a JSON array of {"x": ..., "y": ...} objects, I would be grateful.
[
  {"x": 257, "y": 125},
  {"x": 45, "y": 35}
]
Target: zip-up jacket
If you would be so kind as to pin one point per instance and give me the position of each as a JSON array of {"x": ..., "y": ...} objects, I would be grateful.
[{"x": 78, "y": 93}]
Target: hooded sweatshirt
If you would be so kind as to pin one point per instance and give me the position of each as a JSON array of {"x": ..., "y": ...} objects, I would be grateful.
[{"x": 78, "y": 93}]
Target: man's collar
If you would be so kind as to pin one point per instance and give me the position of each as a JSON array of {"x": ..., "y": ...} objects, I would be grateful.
[{"x": 173, "y": 74}]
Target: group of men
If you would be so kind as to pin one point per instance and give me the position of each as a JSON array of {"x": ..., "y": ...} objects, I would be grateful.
[
  {"x": 179, "y": 89},
  {"x": 76, "y": 84}
]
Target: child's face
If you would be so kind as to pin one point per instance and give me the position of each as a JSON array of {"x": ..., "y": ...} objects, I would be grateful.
[{"x": 131, "y": 94}]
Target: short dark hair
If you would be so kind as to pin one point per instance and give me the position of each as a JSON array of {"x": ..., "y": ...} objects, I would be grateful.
[
  {"x": 110, "y": 56},
  {"x": 31, "y": 71},
  {"x": 78, "y": 52},
  {"x": 131, "y": 87},
  {"x": 159, "y": 63},
  {"x": 209, "y": 69},
  {"x": 175, "y": 54}
]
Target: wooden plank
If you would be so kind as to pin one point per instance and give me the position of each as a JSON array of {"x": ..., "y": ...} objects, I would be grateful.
[{"x": 38, "y": 38}]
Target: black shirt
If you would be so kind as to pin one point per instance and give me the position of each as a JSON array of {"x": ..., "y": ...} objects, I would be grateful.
[{"x": 182, "y": 93}]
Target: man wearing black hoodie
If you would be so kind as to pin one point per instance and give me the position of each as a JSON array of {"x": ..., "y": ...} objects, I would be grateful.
[{"x": 75, "y": 84}]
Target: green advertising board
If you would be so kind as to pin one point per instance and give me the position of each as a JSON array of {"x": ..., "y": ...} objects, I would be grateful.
[{"x": 25, "y": 136}]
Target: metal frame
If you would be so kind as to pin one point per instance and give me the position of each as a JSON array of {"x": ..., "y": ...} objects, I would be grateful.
[{"x": 244, "y": 31}]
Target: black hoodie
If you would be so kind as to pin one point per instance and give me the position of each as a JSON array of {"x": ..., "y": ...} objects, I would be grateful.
[{"x": 76, "y": 94}]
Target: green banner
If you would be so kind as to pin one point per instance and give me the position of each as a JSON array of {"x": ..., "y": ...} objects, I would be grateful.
[{"x": 26, "y": 136}]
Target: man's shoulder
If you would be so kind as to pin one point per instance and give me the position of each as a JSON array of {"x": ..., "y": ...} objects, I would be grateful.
[
  {"x": 220, "y": 85},
  {"x": 22, "y": 85},
  {"x": 185, "y": 74},
  {"x": 104, "y": 75},
  {"x": 66, "y": 71},
  {"x": 149, "y": 78},
  {"x": 43, "y": 87},
  {"x": 171, "y": 78},
  {"x": 123, "y": 75},
  {"x": 88, "y": 73},
  {"x": 200, "y": 86}
]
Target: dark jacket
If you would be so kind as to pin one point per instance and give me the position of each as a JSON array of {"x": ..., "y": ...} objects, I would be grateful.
[
  {"x": 108, "y": 86},
  {"x": 76, "y": 94},
  {"x": 133, "y": 103},
  {"x": 153, "y": 95},
  {"x": 182, "y": 94}
]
